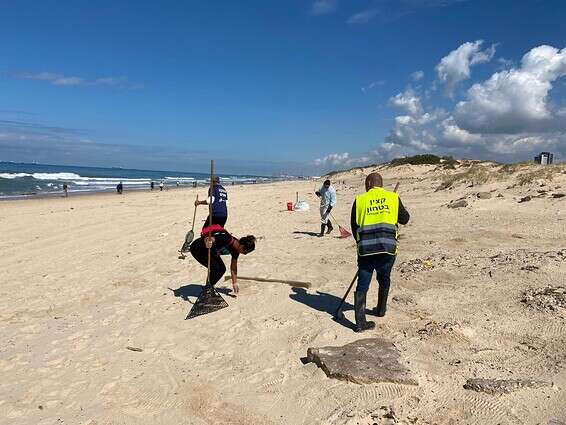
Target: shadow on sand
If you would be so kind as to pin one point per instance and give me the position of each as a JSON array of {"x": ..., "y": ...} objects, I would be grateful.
[
  {"x": 324, "y": 302},
  {"x": 314, "y": 234},
  {"x": 306, "y": 233},
  {"x": 194, "y": 290}
]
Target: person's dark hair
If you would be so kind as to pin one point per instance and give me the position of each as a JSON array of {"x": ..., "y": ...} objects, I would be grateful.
[
  {"x": 248, "y": 242},
  {"x": 326, "y": 183}
]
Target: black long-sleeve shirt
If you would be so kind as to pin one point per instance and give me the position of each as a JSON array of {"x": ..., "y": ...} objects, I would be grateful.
[{"x": 403, "y": 217}]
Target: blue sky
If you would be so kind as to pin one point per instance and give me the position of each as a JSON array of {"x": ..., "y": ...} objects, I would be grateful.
[{"x": 271, "y": 86}]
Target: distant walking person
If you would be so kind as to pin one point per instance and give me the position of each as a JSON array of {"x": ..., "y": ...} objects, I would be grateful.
[
  {"x": 219, "y": 201},
  {"x": 119, "y": 188},
  {"x": 327, "y": 195},
  {"x": 374, "y": 219},
  {"x": 152, "y": 185},
  {"x": 161, "y": 186},
  {"x": 66, "y": 189}
]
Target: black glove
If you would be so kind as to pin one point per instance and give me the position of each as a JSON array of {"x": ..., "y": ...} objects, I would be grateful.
[
  {"x": 329, "y": 209},
  {"x": 317, "y": 193}
]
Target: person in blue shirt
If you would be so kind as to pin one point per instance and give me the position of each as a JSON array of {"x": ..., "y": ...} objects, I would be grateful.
[
  {"x": 327, "y": 195},
  {"x": 219, "y": 201}
]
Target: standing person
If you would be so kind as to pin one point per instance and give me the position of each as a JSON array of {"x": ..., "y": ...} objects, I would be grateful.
[
  {"x": 221, "y": 242},
  {"x": 327, "y": 195},
  {"x": 219, "y": 201},
  {"x": 161, "y": 186},
  {"x": 66, "y": 189},
  {"x": 119, "y": 188},
  {"x": 152, "y": 185},
  {"x": 375, "y": 217}
]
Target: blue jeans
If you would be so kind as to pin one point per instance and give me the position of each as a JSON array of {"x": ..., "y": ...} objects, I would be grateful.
[{"x": 381, "y": 263}]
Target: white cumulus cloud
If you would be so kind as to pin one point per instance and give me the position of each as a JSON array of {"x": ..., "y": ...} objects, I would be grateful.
[
  {"x": 333, "y": 159},
  {"x": 341, "y": 160},
  {"x": 508, "y": 116},
  {"x": 409, "y": 101},
  {"x": 452, "y": 135},
  {"x": 455, "y": 67},
  {"x": 512, "y": 115},
  {"x": 417, "y": 75},
  {"x": 516, "y": 100}
]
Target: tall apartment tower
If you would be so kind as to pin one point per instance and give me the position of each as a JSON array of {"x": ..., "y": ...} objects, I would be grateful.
[{"x": 545, "y": 158}]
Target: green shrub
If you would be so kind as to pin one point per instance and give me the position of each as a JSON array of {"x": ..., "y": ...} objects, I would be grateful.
[{"x": 425, "y": 159}]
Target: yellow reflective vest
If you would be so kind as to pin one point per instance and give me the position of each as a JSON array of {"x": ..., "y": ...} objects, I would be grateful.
[{"x": 377, "y": 211}]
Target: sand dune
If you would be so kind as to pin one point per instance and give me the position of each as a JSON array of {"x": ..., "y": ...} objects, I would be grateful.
[{"x": 83, "y": 278}]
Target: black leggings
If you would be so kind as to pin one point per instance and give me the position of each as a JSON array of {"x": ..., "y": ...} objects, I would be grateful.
[
  {"x": 200, "y": 253},
  {"x": 220, "y": 220}
]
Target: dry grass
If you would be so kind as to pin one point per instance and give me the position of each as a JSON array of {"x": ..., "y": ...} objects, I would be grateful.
[
  {"x": 547, "y": 172},
  {"x": 476, "y": 174},
  {"x": 524, "y": 173}
]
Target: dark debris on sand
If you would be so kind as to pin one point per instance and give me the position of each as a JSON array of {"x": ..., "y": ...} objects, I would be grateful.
[{"x": 549, "y": 299}]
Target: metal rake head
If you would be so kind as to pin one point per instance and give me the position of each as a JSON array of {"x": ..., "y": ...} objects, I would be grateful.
[{"x": 208, "y": 301}]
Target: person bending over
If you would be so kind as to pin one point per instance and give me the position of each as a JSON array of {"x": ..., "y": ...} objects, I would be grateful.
[{"x": 221, "y": 242}]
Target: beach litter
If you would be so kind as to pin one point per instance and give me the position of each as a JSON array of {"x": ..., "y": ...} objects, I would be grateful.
[
  {"x": 139, "y": 350},
  {"x": 302, "y": 206},
  {"x": 415, "y": 265},
  {"x": 551, "y": 298},
  {"x": 502, "y": 386}
]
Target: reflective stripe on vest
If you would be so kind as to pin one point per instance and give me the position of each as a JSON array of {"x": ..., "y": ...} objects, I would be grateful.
[{"x": 376, "y": 215}]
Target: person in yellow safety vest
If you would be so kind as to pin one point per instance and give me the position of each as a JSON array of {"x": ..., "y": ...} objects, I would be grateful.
[{"x": 374, "y": 219}]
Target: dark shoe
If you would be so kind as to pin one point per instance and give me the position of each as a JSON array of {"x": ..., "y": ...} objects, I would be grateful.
[
  {"x": 322, "y": 227},
  {"x": 381, "y": 308},
  {"x": 360, "y": 312},
  {"x": 330, "y": 228}
]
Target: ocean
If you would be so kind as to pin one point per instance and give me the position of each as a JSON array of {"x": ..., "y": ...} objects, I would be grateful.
[{"x": 20, "y": 180}]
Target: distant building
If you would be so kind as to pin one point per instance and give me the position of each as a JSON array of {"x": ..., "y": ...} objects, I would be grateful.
[{"x": 545, "y": 158}]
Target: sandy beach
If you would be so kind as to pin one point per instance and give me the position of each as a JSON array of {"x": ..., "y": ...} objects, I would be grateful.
[{"x": 83, "y": 278}]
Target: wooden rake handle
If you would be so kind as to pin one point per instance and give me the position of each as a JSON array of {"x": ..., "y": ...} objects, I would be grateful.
[
  {"x": 195, "y": 214},
  {"x": 296, "y": 283}
]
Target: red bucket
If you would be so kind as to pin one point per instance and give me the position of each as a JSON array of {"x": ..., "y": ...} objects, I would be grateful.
[{"x": 289, "y": 206}]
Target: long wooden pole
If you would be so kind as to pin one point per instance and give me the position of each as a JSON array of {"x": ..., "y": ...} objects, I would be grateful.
[
  {"x": 210, "y": 195},
  {"x": 338, "y": 313},
  {"x": 195, "y": 215},
  {"x": 296, "y": 283}
]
